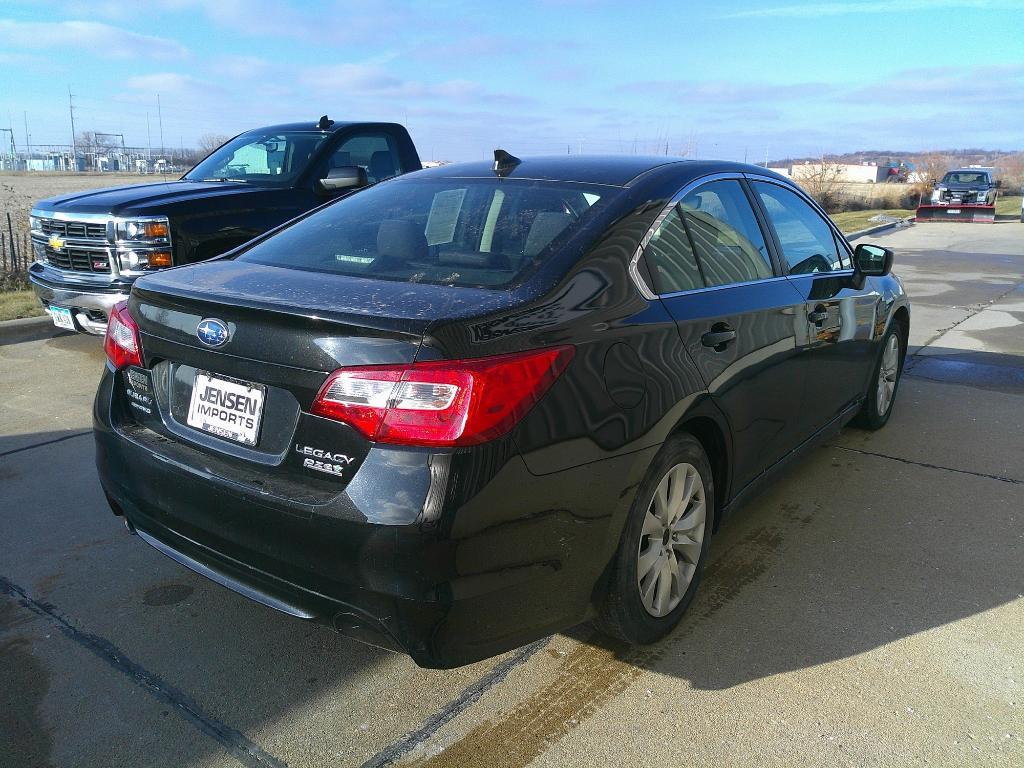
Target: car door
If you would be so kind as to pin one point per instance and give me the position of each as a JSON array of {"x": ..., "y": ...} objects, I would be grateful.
[
  {"x": 835, "y": 338},
  {"x": 713, "y": 269}
]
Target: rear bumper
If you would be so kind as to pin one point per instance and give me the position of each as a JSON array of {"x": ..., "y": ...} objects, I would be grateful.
[
  {"x": 90, "y": 304},
  {"x": 515, "y": 558}
]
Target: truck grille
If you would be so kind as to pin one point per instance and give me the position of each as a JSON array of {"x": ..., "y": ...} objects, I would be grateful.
[
  {"x": 79, "y": 259},
  {"x": 76, "y": 229},
  {"x": 84, "y": 247}
]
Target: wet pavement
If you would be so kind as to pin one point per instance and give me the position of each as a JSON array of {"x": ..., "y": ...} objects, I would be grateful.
[{"x": 865, "y": 610}]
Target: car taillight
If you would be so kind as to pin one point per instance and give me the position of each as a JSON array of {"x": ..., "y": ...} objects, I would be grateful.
[
  {"x": 122, "y": 341},
  {"x": 441, "y": 403}
]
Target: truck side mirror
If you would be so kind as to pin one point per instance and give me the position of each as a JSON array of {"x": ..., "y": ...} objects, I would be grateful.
[{"x": 344, "y": 177}]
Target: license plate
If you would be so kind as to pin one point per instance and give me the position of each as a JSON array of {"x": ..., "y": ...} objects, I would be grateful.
[
  {"x": 952, "y": 210},
  {"x": 227, "y": 408},
  {"x": 62, "y": 317}
]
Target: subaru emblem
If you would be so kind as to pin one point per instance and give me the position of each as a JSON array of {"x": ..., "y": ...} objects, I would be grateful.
[{"x": 212, "y": 332}]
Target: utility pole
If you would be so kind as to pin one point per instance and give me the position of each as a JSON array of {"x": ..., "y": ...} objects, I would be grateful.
[
  {"x": 28, "y": 142},
  {"x": 74, "y": 141},
  {"x": 160, "y": 117},
  {"x": 765, "y": 155},
  {"x": 149, "y": 142}
]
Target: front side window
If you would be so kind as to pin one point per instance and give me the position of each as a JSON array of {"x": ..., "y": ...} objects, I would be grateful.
[
  {"x": 807, "y": 242},
  {"x": 728, "y": 240},
  {"x": 670, "y": 257},
  {"x": 273, "y": 159},
  {"x": 466, "y": 232}
]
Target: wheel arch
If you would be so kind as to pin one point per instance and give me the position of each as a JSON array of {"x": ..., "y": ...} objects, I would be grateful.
[{"x": 708, "y": 426}]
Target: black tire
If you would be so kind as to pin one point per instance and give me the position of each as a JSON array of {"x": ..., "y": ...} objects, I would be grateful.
[
  {"x": 623, "y": 614},
  {"x": 870, "y": 417}
]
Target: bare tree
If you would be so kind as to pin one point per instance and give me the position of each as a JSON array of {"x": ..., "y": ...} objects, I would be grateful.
[
  {"x": 210, "y": 141},
  {"x": 822, "y": 181},
  {"x": 928, "y": 169},
  {"x": 1012, "y": 173}
]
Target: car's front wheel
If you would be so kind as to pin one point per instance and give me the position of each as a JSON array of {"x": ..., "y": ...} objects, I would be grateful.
[
  {"x": 881, "y": 394},
  {"x": 661, "y": 554}
]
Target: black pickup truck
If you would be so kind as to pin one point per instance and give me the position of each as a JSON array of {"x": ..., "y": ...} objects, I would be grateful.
[{"x": 90, "y": 247}]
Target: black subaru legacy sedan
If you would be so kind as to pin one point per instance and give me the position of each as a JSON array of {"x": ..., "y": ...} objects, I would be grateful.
[{"x": 478, "y": 404}]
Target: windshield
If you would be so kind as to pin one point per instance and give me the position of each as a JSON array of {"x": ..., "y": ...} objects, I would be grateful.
[
  {"x": 273, "y": 159},
  {"x": 965, "y": 177},
  {"x": 466, "y": 232}
]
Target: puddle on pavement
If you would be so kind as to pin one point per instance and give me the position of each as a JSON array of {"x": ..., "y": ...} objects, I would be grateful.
[
  {"x": 167, "y": 594},
  {"x": 24, "y": 736}
]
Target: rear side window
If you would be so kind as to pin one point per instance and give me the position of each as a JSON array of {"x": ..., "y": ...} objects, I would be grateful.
[
  {"x": 670, "y": 257},
  {"x": 726, "y": 235},
  {"x": 469, "y": 232},
  {"x": 376, "y": 153},
  {"x": 807, "y": 242}
]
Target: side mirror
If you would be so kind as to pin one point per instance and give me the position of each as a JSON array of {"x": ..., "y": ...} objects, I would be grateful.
[
  {"x": 345, "y": 177},
  {"x": 872, "y": 260}
]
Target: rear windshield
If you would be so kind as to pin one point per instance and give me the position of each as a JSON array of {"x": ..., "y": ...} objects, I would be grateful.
[{"x": 466, "y": 232}]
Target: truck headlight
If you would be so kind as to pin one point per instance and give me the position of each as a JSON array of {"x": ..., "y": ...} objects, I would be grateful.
[
  {"x": 35, "y": 224},
  {"x": 151, "y": 230},
  {"x": 143, "y": 259}
]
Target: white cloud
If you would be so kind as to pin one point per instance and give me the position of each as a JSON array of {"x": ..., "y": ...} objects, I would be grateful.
[
  {"x": 92, "y": 37},
  {"x": 172, "y": 83},
  {"x": 819, "y": 10}
]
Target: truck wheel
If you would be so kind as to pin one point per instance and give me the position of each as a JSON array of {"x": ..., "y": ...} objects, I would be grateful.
[{"x": 662, "y": 551}]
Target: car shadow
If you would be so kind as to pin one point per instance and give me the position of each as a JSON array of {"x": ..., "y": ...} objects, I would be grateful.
[{"x": 855, "y": 547}]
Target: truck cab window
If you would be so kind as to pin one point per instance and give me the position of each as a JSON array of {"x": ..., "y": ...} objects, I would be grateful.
[{"x": 376, "y": 153}]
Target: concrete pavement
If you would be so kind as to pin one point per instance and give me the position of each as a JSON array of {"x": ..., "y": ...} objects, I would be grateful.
[{"x": 865, "y": 610}]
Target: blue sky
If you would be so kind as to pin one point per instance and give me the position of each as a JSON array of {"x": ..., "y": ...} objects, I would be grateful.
[{"x": 725, "y": 79}]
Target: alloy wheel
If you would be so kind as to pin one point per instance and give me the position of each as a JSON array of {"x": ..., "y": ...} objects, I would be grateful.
[
  {"x": 888, "y": 372},
  {"x": 671, "y": 539}
]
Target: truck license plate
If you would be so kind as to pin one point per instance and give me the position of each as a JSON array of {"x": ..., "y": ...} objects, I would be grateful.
[
  {"x": 226, "y": 408},
  {"x": 62, "y": 317},
  {"x": 952, "y": 210}
]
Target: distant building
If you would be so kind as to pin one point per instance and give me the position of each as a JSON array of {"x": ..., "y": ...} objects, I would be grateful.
[{"x": 868, "y": 173}]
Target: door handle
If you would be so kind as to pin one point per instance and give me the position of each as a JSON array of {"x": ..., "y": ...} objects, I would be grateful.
[
  {"x": 819, "y": 315},
  {"x": 718, "y": 337}
]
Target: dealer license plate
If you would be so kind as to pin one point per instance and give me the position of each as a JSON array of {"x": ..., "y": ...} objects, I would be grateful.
[
  {"x": 62, "y": 317},
  {"x": 227, "y": 408}
]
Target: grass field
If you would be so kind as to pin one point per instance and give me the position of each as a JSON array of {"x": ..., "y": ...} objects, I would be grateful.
[
  {"x": 1007, "y": 209},
  {"x": 853, "y": 221},
  {"x": 15, "y": 304}
]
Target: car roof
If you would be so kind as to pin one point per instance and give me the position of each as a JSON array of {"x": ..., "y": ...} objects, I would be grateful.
[
  {"x": 312, "y": 126},
  {"x": 611, "y": 170}
]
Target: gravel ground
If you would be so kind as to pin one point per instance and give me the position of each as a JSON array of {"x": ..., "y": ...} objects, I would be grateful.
[{"x": 18, "y": 191}]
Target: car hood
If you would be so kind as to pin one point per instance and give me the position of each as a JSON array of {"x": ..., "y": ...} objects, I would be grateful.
[{"x": 138, "y": 199}]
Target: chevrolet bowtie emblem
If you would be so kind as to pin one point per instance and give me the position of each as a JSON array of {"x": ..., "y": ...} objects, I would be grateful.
[{"x": 55, "y": 242}]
